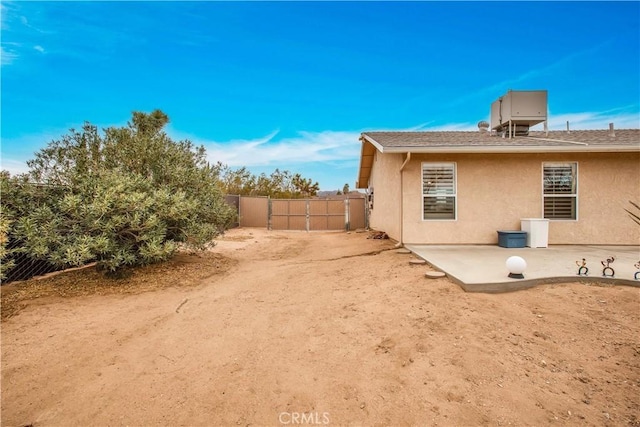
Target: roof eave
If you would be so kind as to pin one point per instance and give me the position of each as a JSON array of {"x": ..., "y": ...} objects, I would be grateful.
[
  {"x": 513, "y": 149},
  {"x": 373, "y": 142},
  {"x": 364, "y": 169}
]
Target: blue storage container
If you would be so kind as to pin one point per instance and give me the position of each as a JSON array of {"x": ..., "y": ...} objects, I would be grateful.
[{"x": 512, "y": 239}]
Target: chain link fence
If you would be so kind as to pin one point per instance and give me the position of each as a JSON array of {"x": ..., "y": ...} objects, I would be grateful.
[{"x": 21, "y": 266}]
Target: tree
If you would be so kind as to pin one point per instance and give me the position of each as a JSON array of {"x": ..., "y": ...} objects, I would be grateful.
[
  {"x": 129, "y": 197},
  {"x": 280, "y": 184},
  {"x": 304, "y": 186},
  {"x": 239, "y": 181},
  {"x": 345, "y": 189}
]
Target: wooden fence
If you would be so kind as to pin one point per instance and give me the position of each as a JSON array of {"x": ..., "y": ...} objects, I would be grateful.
[{"x": 302, "y": 214}]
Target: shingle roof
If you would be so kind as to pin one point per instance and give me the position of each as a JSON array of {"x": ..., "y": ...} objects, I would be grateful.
[
  {"x": 578, "y": 140},
  {"x": 623, "y": 140}
]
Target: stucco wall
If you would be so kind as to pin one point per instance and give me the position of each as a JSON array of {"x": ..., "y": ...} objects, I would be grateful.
[
  {"x": 385, "y": 180},
  {"x": 496, "y": 191}
]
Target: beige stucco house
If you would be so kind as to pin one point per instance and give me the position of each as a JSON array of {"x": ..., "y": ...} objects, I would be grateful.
[{"x": 462, "y": 187}]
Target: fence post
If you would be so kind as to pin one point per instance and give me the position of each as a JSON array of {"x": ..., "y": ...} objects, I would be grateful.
[
  {"x": 269, "y": 212},
  {"x": 367, "y": 212},
  {"x": 238, "y": 211},
  {"x": 326, "y": 209},
  {"x": 307, "y": 214},
  {"x": 347, "y": 220}
]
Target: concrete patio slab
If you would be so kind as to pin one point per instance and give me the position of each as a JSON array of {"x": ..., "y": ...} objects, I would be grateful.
[{"x": 481, "y": 268}]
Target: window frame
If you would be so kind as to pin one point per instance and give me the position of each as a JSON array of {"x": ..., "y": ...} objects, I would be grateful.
[
  {"x": 575, "y": 194},
  {"x": 454, "y": 167}
]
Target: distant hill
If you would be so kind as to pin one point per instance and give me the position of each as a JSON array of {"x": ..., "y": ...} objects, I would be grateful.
[
  {"x": 334, "y": 195},
  {"x": 326, "y": 193}
]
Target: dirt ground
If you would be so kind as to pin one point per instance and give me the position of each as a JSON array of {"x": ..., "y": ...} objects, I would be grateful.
[{"x": 319, "y": 328}]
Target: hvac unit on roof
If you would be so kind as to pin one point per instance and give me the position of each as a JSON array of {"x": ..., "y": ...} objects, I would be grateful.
[{"x": 517, "y": 110}]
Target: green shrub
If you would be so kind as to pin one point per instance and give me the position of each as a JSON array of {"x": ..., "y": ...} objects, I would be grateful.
[{"x": 128, "y": 197}]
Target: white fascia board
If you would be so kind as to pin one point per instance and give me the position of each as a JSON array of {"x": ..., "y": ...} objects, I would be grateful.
[{"x": 373, "y": 142}]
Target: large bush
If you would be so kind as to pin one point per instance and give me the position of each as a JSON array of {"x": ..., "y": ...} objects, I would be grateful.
[{"x": 129, "y": 196}]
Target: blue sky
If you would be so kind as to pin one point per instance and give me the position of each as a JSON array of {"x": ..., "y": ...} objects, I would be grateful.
[{"x": 292, "y": 84}]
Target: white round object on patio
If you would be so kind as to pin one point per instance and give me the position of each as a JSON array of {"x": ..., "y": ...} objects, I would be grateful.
[{"x": 516, "y": 266}]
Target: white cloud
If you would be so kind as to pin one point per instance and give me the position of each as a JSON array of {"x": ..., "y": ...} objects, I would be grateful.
[
  {"x": 305, "y": 147},
  {"x": 7, "y": 56},
  {"x": 8, "y": 50},
  {"x": 7, "y": 9},
  {"x": 592, "y": 120},
  {"x": 14, "y": 167},
  {"x": 39, "y": 48},
  {"x": 3, "y": 16},
  {"x": 333, "y": 148}
]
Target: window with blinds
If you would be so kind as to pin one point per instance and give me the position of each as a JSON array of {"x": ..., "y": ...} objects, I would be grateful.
[
  {"x": 439, "y": 191},
  {"x": 560, "y": 190}
]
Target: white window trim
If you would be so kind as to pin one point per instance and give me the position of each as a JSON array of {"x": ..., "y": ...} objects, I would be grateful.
[
  {"x": 576, "y": 195},
  {"x": 455, "y": 190}
]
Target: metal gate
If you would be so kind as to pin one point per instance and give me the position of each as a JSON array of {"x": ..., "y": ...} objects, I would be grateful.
[
  {"x": 356, "y": 214},
  {"x": 307, "y": 214}
]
